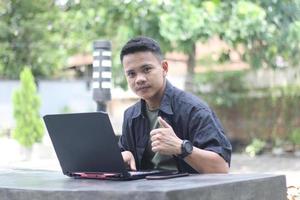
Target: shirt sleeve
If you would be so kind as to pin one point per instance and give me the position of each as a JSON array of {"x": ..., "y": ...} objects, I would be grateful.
[
  {"x": 123, "y": 140},
  {"x": 208, "y": 133}
]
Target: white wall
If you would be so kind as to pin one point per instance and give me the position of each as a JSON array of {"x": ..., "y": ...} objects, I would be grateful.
[{"x": 55, "y": 96}]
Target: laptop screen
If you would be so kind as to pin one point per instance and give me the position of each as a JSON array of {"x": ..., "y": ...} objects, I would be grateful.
[{"x": 85, "y": 142}]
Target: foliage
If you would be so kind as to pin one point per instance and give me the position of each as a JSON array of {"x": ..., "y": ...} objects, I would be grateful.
[
  {"x": 255, "y": 147},
  {"x": 185, "y": 23},
  {"x": 43, "y": 34},
  {"x": 293, "y": 39},
  {"x": 29, "y": 127},
  {"x": 223, "y": 88},
  {"x": 267, "y": 113},
  {"x": 294, "y": 136},
  {"x": 265, "y": 29},
  {"x": 126, "y": 19},
  {"x": 285, "y": 16},
  {"x": 26, "y": 38}
]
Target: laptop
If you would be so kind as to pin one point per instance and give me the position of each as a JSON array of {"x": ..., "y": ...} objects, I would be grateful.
[{"x": 86, "y": 147}]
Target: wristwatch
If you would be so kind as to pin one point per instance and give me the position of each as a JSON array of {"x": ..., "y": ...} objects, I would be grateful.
[{"x": 186, "y": 149}]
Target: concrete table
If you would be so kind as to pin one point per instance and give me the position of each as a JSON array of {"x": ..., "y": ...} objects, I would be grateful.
[{"x": 52, "y": 185}]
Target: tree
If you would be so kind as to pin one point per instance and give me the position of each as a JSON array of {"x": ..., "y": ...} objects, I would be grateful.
[
  {"x": 27, "y": 38},
  {"x": 265, "y": 29},
  {"x": 42, "y": 34},
  {"x": 184, "y": 24},
  {"x": 268, "y": 30},
  {"x": 29, "y": 127}
]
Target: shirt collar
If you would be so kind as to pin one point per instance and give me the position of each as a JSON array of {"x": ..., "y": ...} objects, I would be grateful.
[{"x": 165, "y": 105}]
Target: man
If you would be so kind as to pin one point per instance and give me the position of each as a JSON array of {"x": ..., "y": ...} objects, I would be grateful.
[{"x": 168, "y": 128}]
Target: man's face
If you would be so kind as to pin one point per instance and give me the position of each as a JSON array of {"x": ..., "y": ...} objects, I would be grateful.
[{"x": 145, "y": 74}]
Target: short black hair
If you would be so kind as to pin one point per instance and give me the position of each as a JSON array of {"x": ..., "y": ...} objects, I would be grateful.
[{"x": 140, "y": 44}]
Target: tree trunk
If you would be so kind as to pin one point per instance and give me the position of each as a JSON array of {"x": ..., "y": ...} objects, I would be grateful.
[{"x": 191, "y": 63}]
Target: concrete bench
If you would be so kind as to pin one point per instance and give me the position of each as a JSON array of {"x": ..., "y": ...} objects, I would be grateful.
[{"x": 52, "y": 185}]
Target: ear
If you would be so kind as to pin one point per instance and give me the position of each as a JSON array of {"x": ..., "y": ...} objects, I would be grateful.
[{"x": 165, "y": 67}]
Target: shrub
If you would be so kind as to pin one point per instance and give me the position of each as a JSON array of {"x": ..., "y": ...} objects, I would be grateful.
[
  {"x": 29, "y": 127},
  {"x": 256, "y": 147},
  {"x": 294, "y": 137}
]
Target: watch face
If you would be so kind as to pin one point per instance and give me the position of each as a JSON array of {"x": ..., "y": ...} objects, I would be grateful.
[{"x": 188, "y": 147}]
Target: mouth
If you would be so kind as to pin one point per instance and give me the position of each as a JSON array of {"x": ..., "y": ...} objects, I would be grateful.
[{"x": 142, "y": 88}]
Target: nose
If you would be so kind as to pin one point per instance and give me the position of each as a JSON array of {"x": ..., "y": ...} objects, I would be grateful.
[{"x": 140, "y": 79}]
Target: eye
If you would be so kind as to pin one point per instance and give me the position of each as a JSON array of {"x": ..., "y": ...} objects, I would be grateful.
[
  {"x": 147, "y": 69},
  {"x": 130, "y": 74}
]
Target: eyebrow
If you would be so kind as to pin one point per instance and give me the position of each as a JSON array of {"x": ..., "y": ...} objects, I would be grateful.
[{"x": 145, "y": 65}]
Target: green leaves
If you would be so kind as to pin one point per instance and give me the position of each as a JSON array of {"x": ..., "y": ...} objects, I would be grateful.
[
  {"x": 245, "y": 23},
  {"x": 294, "y": 136},
  {"x": 255, "y": 147},
  {"x": 29, "y": 127},
  {"x": 180, "y": 26},
  {"x": 24, "y": 35},
  {"x": 43, "y": 34},
  {"x": 183, "y": 24},
  {"x": 222, "y": 88}
]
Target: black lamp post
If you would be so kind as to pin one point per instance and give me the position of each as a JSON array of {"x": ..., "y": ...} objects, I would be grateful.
[{"x": 101, "y": 73}]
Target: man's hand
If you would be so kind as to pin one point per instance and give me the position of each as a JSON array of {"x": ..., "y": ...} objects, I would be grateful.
[
  {"x": 164, "y": 140},
  {"x": 129, "y": 159}
]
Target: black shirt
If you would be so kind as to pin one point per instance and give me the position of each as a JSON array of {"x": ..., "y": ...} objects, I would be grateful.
[{"x": 190, "y": 118}]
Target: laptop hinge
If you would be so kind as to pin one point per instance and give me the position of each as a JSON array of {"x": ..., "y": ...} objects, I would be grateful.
[{"x": 95, "y": 175}]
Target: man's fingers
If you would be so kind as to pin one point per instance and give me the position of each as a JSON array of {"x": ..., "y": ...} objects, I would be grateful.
[
  {"x": 129, "y": 159},
  {"x": 132, "y": 164},
  {"x": 154, "y": 132},
  {"x": 163, "y": 123}
]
